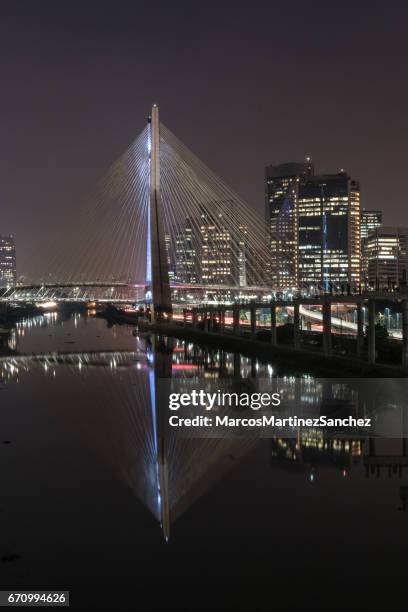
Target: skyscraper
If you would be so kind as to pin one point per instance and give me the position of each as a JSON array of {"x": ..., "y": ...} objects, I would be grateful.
[
  {"x": 8, "y": 273},
  {"x": 186, "y": 259},
  {"x": 281, "y": 212},
  {"x": 170, "y": 257},
  {"x": 370, "y": 220},
  {"x": 387, "y": 254},
  {"x": 219, "y": 261},
  {"x": 313, "y": 222},
  {"x": 329, "y": 231}
]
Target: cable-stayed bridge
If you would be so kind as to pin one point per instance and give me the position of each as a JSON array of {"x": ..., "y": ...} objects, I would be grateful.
[{"x": 159, "y": 228}]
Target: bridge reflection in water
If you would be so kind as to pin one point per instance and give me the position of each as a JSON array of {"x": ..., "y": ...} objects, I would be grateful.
[{"x": 168, "y": 473}]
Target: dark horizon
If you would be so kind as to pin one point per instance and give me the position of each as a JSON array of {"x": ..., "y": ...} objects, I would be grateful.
[{"x": 242, "y": 88}]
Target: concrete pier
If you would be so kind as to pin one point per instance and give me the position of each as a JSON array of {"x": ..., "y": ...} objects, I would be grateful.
[
  {"x": 360, "y": 329},
  {"x": 296, "y": 325},
  {"x": 274, "y": 338},
  {"x": 212, "y": 320},
  {"x": 253, "y": 321},
  {"x": 221, "y": 320},
  {"x": 327, "y": 335},
  {"x": 235, "y": 315},
  {"x": 371, "y": 331}
]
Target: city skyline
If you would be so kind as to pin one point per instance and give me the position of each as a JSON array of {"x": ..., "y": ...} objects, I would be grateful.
[
  {"x": 87, "y": 101},
  {"x": 320, "y": 238},
  {"x": 203, "y": 303},
  {"x": 296, "y": 198}
]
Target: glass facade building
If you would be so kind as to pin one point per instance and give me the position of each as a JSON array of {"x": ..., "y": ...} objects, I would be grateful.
[
  {"x": 329, "y": 232},
  {"x": 281, "y": 202},
  {"x": 387, "y": 255},
  {"x": 370, "y": 220},
  {"x": 217, "y": 257},
  {"x": 186, "y": 261},
  {"x": 313, "y": 223}
]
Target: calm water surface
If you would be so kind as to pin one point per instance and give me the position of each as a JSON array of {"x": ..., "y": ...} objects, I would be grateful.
[{"x": 78, "y": 495}]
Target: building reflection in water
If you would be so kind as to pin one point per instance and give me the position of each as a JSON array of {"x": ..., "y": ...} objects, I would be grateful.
[{"x": 169, "y": 474}]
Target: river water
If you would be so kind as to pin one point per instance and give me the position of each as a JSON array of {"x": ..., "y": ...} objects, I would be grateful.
[{"x": 78, "y": 504}]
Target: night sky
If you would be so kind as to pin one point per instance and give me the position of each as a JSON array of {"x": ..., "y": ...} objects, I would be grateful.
[{"x": 242, "y": 86}]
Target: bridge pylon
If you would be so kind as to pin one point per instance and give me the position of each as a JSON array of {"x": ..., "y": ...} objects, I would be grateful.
[{"x": 157, "y": 270}]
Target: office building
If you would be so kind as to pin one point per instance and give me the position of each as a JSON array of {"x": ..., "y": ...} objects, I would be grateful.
[
  {"x": 219, "y": 260},
  {"x": 186, "y": 256},
  {"x": 8, "y": 273},
  {"x": 387, "y": 255},
  {"x": 329, "y": 232},
  {"x": 370, "y": 220},
  {"x": 170, "y": 257},
  {"x": 281, "y": 202},
  {"x": 313, "y": 223}
]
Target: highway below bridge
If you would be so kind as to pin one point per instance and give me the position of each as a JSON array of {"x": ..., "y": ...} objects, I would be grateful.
[{"x": 215, "y": 317}]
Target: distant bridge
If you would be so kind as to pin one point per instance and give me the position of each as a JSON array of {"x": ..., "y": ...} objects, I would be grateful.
[
  {"x": 72, "y": 292},
  {"x": 113, "y": 292}
]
